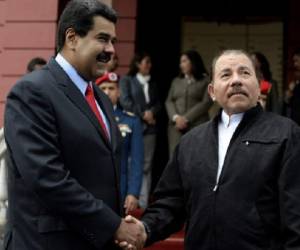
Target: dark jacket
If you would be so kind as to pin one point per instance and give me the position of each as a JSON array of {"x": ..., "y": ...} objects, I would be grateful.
[
  {"x": 295, "y": 104},
  {"x": 63, "y": 173},
  {"x": 256, "y": 205},
  {"x": 133, "y": 99}
]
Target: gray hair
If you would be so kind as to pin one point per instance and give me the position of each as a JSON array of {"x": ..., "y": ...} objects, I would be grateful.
[{"x": 229, "y": 52}]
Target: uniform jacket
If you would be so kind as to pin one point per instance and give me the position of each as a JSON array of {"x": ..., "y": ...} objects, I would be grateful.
[
  {"x": 132, "y": 159},
  {"x": 256, "y": 204},
  {"x": 63, "y": 172}
]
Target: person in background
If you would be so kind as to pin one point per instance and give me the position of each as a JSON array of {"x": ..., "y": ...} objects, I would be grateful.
[
  {"x": 269, "y": 88},
  {"x": 132, "y": 158},
  {"x": 35, "y": 63},
  {"x": 188, "y": 102},
  {"x": 292, "y": 95},
  {"x": 139, "y": 95}
]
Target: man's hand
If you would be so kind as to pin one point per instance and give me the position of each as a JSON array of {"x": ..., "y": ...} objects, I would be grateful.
[
  {"x": 131, "y": 203},
  {"x": 149, "y": 117},
  {"x": 131, "y": 234},
  {"x": 181, "y": 122}
]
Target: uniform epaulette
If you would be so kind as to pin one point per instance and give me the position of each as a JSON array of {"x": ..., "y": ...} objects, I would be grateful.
[{"x": 128, "y": 113}]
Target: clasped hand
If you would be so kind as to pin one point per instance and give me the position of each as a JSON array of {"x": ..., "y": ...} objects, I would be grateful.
[{"x": 131, "y": 234}]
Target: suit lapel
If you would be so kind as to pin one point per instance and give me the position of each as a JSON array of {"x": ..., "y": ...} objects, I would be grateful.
[
  {"x": 107, "y": 110},
  {"x": 141, "y": 94},
  {"x": 73, "y": 93}
]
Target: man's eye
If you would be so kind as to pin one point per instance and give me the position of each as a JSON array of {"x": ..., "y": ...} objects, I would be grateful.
[
  {"x": 103, "y": 39},
  {"x": 224, "y": 75}
]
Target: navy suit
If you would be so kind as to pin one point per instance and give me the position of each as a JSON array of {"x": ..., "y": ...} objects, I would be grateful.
[
  {"x": 132, "y": 153},
  {"x": 63, "y": 173}
]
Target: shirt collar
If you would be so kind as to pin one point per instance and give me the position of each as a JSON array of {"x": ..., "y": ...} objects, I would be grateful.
[
  {"x": 231, "y": 120},
  {"x": 189, "y": 79},
  {"x": 142, "y": 78},
  {"x": 80, "y": 83}
]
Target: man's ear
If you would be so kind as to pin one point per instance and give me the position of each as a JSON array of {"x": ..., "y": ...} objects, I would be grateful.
[
  {"x": 211, "y": 91},
  {"x": 71, "y": 38}
]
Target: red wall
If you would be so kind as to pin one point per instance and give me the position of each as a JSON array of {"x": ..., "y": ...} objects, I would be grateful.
[
  {"x": 27, "y": 30},
  {"x": 126, "y": 27}
]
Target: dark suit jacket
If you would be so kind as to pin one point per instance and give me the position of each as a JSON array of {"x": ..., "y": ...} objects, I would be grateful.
[
  {"x": 133, "y": 99},
  {"x": 63, "y": 173}
]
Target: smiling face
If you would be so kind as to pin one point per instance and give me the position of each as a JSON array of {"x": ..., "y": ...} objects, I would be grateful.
[
  {"x": 234, "y": 86},
  {"x": 90, "y": 54}
]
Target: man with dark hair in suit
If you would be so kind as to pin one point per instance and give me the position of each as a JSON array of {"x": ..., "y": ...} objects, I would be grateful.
[{"x": 64, "y": 144}]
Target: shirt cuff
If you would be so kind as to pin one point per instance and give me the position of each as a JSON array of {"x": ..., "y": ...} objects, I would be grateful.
[
  {"x": 147, "y": 229},
  {"x": 174, "y": 117}
]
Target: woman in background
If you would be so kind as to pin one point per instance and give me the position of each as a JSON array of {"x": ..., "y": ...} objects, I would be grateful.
[
  {"x": 188, "y": 102},
  {"x": 270, "y": 98},
  {"x": 139, "y": 96}
]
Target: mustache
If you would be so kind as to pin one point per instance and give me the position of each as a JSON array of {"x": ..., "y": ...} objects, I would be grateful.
[
  {"x": 103, "y": 57},
  {"x": 237, "y": 90}
]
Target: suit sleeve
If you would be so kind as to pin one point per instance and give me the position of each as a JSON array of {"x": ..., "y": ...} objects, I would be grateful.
[
  {"x": 289, "y": 192},
  {"x": 33, "y": 142},
  {"x": 170, "y": 106},
  {"x": 126, "y": 99},
  {"x": 135, "y": 172},
  {"x": 156, "y": 105},
  {"x": 167, "y": 214}
]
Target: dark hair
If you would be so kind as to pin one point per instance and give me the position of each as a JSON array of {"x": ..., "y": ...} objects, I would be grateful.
[
  {"x": 35, "y": 61},
  {"x": 264, "y": 65},
  {"x": 138, "y": 58},
  {"x": 296, "y": 52},
  {"x": 198, "y": 69},
  {"x": 79, "y": 15}
]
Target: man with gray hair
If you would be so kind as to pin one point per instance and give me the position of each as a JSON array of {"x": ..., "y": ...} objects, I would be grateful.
[{"x": 235, "y": 180}]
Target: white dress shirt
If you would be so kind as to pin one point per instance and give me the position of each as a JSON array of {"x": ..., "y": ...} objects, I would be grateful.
[
  {"x": 80, "y": 83},
  {"x": 144, "y": 81},
  {"x": 226, "y": 128}
]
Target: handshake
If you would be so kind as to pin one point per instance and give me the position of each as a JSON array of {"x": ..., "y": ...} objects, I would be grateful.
[{"x": 131, "y": 234}]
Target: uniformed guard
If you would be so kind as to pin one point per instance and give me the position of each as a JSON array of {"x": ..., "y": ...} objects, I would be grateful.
[{"x": 132, "y": 146}]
